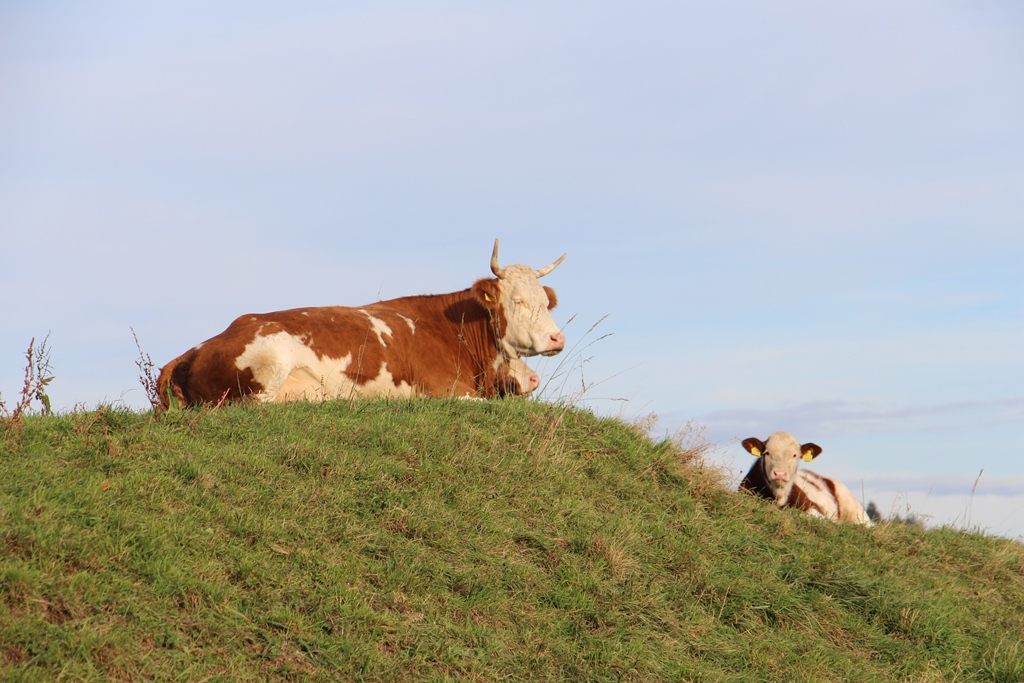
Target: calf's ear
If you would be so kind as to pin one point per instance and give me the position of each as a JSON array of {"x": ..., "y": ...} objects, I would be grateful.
[
  {"x": 754, "y": 446},
  {"x": 487, "y": 292},
  {"x": 810, "y": 451}
]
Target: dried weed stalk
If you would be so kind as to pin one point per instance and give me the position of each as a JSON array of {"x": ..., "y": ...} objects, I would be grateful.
[
  {"x": 38, "y": 374},
  {"x": 147, "y": 373}
]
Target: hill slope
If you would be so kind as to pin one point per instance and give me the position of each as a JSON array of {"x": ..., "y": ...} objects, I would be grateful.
[{"x": 434, "y": 540}]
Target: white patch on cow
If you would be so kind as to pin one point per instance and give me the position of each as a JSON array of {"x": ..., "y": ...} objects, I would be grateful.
[
  {"x": 409, "y": 322},
  {"x": 198, "y": 346},
  {"x": 384, "y": 385},
  {"x": 814, "y": 487},
  {"x": 530, "y": 328},
  {"x": 289, "y": 370},
  {"x": 844, "y": 506},
  {"x": 378, "y": 326}
]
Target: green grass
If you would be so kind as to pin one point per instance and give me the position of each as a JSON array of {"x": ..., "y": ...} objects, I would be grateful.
[{"x": 458, "y": 540}]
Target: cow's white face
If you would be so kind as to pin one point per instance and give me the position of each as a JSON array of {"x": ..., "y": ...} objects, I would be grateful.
[
  {"x": 520, "y": 309},
  {"x": 529, "y": 328},
  {"x": 781, "y": 456}
]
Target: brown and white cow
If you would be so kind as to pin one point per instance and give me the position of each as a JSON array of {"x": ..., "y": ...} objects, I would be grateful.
[
  {"x": 775, "y": 476},
  {"x": 465, "y": 344}
]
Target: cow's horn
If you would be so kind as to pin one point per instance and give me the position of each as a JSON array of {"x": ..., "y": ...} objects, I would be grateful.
[
  {"x": 495, "y": 268},
  {"x": 544, "y": 271}
]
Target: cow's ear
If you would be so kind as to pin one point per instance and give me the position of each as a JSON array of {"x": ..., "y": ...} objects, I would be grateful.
[
  {"x": 810, "y": 451},
  {"x": 552, "y": 297},
  {"x": 754, "y": 446},
  {"x": 487, "y": 292}
]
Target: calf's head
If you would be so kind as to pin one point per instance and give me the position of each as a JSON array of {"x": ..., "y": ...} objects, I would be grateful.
[
  {"x": 780, "y": 455},
  {"x": 519, "y": 306},
  {"x": 516, "y": 378}
]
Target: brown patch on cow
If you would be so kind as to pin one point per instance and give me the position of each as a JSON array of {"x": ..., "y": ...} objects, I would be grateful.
[
  {"x": 830, "y": 484},
  {"x": 487, "y": 294},
  {"x": 196, "y": 377},
  {"x": 800, "y": 500},
  {"x": 756, "y": 480}
]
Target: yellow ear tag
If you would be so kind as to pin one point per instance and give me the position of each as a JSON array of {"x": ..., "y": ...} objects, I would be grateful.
[
  {"x": 487, "y": 297},
  {"x": 808, "y": 457},
  {"x": 755, "y": 451}
]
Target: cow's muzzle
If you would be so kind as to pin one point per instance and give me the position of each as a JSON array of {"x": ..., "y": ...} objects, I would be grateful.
[{"x": 556, "y": 342}]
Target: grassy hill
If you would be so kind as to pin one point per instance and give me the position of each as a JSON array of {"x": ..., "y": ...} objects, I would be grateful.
[{"x": 455, "y": 540}]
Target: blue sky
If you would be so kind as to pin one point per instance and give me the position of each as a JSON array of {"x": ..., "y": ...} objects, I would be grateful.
[{"x": 780, "y": 216}]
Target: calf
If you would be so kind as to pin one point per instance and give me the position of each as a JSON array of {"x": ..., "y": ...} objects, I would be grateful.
[
  {"x": 515, "y": 378},
  {"x": 775, "y": 476}
]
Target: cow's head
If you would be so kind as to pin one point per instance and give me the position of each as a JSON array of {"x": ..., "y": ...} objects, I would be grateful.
[
  {"x": 780, "y": 456},
  {"x": 519, "y": 306},
  {"x": 515, "y": 378}
]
